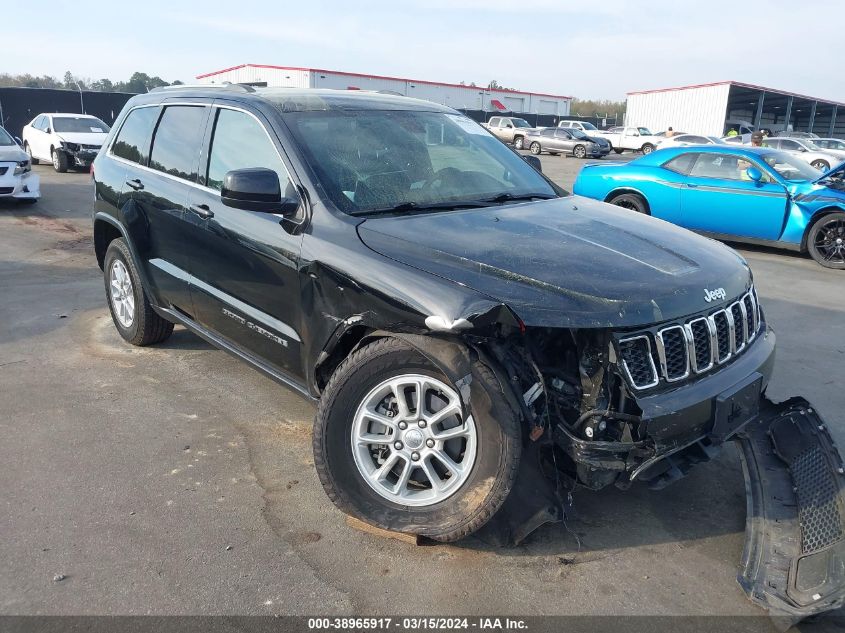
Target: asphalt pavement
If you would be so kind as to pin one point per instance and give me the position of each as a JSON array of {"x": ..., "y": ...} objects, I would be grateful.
[{"x": 176, "y": 480}]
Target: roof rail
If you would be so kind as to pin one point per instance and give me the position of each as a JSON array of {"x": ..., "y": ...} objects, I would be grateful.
[{"x": 224, "y": 86}]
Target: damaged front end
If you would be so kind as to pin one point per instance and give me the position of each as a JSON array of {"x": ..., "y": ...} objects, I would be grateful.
[{"x": 606, "y": 407}]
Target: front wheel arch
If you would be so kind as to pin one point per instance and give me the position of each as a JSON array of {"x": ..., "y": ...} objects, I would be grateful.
[{"x": 818, "y": 215}]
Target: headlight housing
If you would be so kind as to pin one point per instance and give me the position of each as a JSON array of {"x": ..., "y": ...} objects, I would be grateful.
[
  {"x": 73, "y": 147},
  {"x": 22, "y": 167}
]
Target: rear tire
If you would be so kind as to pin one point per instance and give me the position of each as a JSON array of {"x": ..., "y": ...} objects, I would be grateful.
[
  {"x": 131, "y": 311},
  {"x": 518, "y": 142},
  {"x": 618, "y": 150},
  {"x": 632, "y": 201},
  {"x": 535, "y": 148},
  {"x": 821, "y": 165},
  {"x": 28, "y": 150},
  {"x": 826, "y": 241},
  {"x": 59, "y": 161},
  {"x": 348, "y": 454}
]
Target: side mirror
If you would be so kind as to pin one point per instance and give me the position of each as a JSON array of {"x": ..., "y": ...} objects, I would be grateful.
[
  {"x": 534, "y": 162},
  {"x": 49, "y": 131},
  {"x": 19, "y": 141},
  {"x": 256, "y": 189},
  {"x": 755, "y": 174}
]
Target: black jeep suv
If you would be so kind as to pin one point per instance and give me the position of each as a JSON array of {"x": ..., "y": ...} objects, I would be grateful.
[{"x": 452, "y": 310}]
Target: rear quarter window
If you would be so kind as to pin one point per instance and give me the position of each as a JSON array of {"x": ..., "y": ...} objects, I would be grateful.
[
  {"x": 681, "y": 164},
  {"x": 133, "y": 140}
]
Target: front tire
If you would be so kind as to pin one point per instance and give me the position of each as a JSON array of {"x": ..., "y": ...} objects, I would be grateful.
[
  {"x": 518, "y": 142},
  {"x": 535, "y": 148},
  {"x": 131, "y": 311},
  {"x": 579, "y": 151},
  {"x": 59, "y": 161},
  {"x": 632, "y": 201},
  {"x": 826, "y": 241},
  {"x": 28, "y": 150},
  {"x": 647, "y": 149},
  {"x": 441, "y": 470},
  {"x": 821, "y": 165}
]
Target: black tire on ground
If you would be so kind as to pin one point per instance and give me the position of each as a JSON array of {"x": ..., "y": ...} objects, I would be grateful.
[
  {"x": 27, "y": 200},
  {"x": 59, "y": 161},
  {"x": 647, "y": 148},
  {"x": 28, "y": 150},
  {"x": 821, "y": 165},
  {"x": 618, "y": 150},
  {"x": 147, "y": 326},
  {"x": 535, "y": 148},
  {"x": 554, "y": 153},
  {"x": 491, "y": 477},
  {"x": 826, "y": 241},
  {"x": 579, "y": 151},
  {"x": 517, "y": 142},
  {"x": 632, "y": 201}
]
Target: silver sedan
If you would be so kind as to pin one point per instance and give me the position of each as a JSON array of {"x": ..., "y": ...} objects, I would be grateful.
[{"x": 566, "y": 141}]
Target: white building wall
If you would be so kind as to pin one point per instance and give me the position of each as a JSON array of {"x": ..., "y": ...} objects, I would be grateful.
[
  {"x": 693, "y": 110},
  {"x": 278, "y": 77},
  {"x": 454, "y": 96}
]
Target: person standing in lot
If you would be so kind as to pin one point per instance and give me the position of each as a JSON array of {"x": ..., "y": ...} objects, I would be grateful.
[{"x": 756, "y": 139}]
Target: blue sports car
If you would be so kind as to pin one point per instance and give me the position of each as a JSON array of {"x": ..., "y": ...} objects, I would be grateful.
[{"x": 743, "y": 194}]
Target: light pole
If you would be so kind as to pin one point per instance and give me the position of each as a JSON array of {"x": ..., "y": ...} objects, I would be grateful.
[{"x": 81, "y": 102}]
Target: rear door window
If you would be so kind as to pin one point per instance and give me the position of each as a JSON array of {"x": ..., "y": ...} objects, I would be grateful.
[
  {"x": 133, "y": 140},
  {"x": 494, "y": 122},
  {"x": 177, "y": 141}
]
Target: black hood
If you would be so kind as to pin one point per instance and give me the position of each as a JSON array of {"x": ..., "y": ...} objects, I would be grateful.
[{"x": 566, "y": 262}]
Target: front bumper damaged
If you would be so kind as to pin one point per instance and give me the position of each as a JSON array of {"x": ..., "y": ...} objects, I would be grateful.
[{"x": 794, "y": 558}]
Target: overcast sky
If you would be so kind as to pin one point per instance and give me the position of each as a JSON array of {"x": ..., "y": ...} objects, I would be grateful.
[{"x": 597, "y": 49}]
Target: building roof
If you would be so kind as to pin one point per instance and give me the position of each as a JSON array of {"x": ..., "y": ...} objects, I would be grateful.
[
  {"x": 741, "y": 85},
  {"x": 349, "y": 74}
]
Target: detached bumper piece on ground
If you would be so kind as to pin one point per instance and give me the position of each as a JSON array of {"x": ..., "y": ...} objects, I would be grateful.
[{"x": 794, "y": 559}]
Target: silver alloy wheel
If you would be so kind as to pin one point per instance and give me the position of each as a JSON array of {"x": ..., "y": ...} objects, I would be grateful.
[
  {"x": 410, "y": 454},
  {"x": 517, "y": 144},
  {"x": 122, "y": 295},
  {"x": 55, "y": 160},
  {"x": 580, "y": 151}
]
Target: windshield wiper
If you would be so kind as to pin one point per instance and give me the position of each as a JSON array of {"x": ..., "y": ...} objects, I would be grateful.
[
  {"x": 511, "y": 197},
  {"x": 416, "y": 206}
]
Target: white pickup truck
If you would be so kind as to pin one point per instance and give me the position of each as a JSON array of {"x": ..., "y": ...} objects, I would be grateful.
[
  {"x": 509, "y": 129},
  {"x": 637, "y": 139}
]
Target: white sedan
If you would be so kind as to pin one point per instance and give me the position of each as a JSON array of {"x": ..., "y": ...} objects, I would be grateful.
[
  {"x": 690, "y": 139},
  {"x": 17, "y": 181},
  {"x": 66, "y": 140}
]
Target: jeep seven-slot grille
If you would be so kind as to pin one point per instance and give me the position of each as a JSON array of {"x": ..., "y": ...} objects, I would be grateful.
[{"x": 693, "y": 347}]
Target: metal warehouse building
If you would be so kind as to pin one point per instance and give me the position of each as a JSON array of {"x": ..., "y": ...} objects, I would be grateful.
[
  {"x": 713, "y": 108},
  {"x": 455, "y": 96}
]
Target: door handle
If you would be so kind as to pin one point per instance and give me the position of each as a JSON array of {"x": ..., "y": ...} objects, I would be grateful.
[
  {"x": 201, "y": 210},
  {"x": 136, "y": 184},
  {"x": 692, "y": 186}
]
